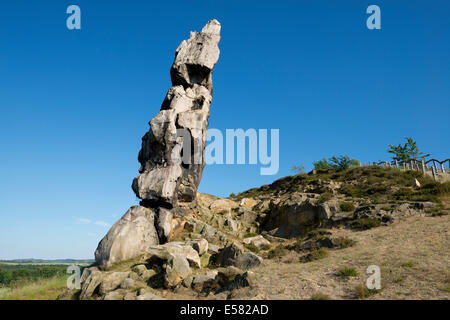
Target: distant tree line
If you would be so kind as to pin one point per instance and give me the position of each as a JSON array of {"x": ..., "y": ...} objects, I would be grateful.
[{"x": 14, "y": 273}]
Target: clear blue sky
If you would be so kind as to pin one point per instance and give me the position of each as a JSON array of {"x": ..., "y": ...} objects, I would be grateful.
[{"x": 75, "y": 104}]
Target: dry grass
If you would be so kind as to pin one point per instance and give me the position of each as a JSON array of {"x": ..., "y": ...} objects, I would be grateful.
[
  {"x": 320, "y": 296},
  {"x": 419, "y": 244},
  {"x": 48, "y": 289}
]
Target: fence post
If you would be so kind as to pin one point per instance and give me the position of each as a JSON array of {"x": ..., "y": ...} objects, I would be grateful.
[
  {"x": 423, "y": 166},
  {"x": 442, "y": 167},
  {"x": 433, "y": 171}
]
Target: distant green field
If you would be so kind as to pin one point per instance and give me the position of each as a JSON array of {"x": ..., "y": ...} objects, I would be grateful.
[
  {"x": 34, "y": 279},
  {"x": 38, "y": 289},
  {"x": 3, "y": 291}
]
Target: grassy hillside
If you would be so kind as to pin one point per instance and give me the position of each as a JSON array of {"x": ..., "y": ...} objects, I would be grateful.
[
  {"x": 33, "y": 279},
  {"x": 374, "y": 184},
  {"x": 42, "y": 289}
]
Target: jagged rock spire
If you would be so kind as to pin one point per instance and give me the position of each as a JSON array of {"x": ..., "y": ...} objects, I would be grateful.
[
  {"x": 186, "y": 106},
  {"x": 167, "y": 187}
]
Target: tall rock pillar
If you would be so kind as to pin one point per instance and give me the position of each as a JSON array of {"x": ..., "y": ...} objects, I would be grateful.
[{"x": 171, "y": 156}]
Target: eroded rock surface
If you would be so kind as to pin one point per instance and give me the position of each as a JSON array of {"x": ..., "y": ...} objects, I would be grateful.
[
  {"x": 171, "y": 156},
  {"x": 128, "y": 237},
  {"x": 163, "y": 180}
]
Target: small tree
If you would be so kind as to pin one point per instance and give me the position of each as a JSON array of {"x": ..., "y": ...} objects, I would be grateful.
[
  {"x": 407, "y": 151},
  {"x": 339, "y": 163},
  {"x": 299, "y": 169},
  {"x": 343, "y": 163},
  {"x": 321, "y": 164}
]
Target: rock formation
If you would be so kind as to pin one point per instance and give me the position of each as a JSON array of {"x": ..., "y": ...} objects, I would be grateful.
[{"x": 171, "y": 156}]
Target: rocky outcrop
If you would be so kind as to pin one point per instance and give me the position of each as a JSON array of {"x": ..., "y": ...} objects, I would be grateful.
[
  {"x": 128, "y": 237},
  {"x": 171, "y": 156},
  {"x": 296, "y": 214},
  {"x": 234, "y": 255},
  {"x": 170, "y": 172}
]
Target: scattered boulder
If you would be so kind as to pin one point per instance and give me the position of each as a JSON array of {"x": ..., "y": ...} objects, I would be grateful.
[
  {"x": 86, "y": 273},
  {"x": 257, "y": 241},
  {"x": 111, "y": 281},
  {"x": 115, "y": 295},
  {"x": 311, "y": 245},
  {"x": 228, "y": 255},
  {"x": 143, "y": 273},
  {"x": 177, "y": 270},
  {"x": 294, "y": 214},
  {"x": 127, "y": 284},
  {"x": 205, "y": 259},
  {"x": 172, "y": 249},
  {"x": 199, "y": 245},
  {"x": 234, "y": 255},
  {"x": 128, "y": 237},
  {"x": 213, "y": 249},
  {"x": 247, "y": 216},
  {"x": 163, "y": 223},
  {"x": 176, "y": 259},
  {"x": 210, "y": 233},
  {"x": 246, "y": 279},
  {"x": 204, "y": 282},
  {"x": 227, "y": 275},
  {"x": 91, "y": 284},
  {"x": 148, "y": 296}
]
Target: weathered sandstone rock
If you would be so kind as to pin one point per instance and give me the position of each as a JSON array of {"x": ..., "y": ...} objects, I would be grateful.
[
  {"x": 257, "y": 241},
  {"x": 163, "y": 179},
  {"x": 128, "y": 238}
]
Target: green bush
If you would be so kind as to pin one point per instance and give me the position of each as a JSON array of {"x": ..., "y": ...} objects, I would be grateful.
[
  {"x": 407, "y": 151},
  {"x": 320, "y": 296},
  {"x": 339, "y": 163},
  {"x": 315, "y": 255},
  {"x": 322, "y": 164},
  {"x": 347, "y": 272},
  {"x": 318, "y": 234},
  {"x": 343, "y": 242},
  {"x": 252, "y": 248},
  {"x": 324, "y": 197},
  {"x": 10, "y": 274},
  {"x": 362, "y": 291},
  {"x": 408, "y": 264},
  {"x": 250, "y": 234},
  {"x": 276, "y": 252},
  {"x": 298, "y": 168},
  {"x": 347, "y": 206},
  {"x": 365, "y": 224}
]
